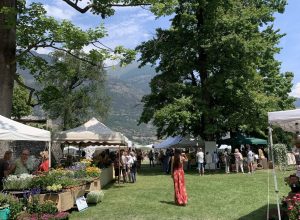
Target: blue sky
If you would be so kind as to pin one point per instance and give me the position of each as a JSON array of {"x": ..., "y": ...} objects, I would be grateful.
[{"x": 131, "y": 26}]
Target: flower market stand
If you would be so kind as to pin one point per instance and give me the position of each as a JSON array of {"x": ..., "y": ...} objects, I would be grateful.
[{"x": 64, "y": 200}]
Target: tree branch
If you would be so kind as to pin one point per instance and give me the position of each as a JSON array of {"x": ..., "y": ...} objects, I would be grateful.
[
  {"x": 32, "y": 90},
  {"x": 88, "y": 7},
  {"x": 128, "y": 5},
  {"x": 77, "y": 57},
  {"x": 77, "y": 8}
]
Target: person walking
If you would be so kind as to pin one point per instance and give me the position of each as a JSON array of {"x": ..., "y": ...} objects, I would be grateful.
[
  {"x": 238, "y": 161},
  {"x": 200, "y": 161},
  {"x": 250, "y": 160},
  {"x": 226, "y": 160},
  {"x": 208, "y": 161},
  {"x": 151, "y": 158},
  {"x": 178, "y": 159}
]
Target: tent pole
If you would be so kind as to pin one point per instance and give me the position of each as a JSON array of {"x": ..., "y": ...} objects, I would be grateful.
[
  {"x": 49, "y": 152},
  {"x": 119, "y": 166},
  {"x": 274, "y": 173}
]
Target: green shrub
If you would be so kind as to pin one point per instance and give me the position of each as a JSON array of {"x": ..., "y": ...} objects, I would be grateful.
[
  {"x": 94, "y": 197},
  {"x": 280, "y": 155}
]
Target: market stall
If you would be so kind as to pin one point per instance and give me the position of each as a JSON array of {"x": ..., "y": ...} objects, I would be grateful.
[
  {"x": 288, "y": 121},
  {"x": 97, "y": 134},
  {"x": 11, "y": 130}
]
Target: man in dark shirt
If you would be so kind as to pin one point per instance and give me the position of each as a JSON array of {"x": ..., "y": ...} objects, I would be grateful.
[{"x": 4, "y": 167}]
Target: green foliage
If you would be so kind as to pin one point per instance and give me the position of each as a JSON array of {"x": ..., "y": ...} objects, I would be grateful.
[
  {"x": 35, "y": 206},
  {"x": 94, "y": 197},
  {"x": 20, "y": 107},
  {"x": 73, "y": 90},
  {"x": 220, "y": 57},
  {"x": 280, "y": 155}
]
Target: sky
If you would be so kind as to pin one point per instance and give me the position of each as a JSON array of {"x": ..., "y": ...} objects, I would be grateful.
[{"x": 131, "y": 26}]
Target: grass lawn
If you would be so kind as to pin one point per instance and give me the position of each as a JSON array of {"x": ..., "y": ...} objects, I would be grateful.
[{"x": 211, "y": 197}]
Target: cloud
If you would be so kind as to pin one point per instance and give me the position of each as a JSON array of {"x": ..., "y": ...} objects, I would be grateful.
[
  {"x": 60, "y": 10},
  {"x": 296, "y": 91},
  {"x": 41, "y": 50}
]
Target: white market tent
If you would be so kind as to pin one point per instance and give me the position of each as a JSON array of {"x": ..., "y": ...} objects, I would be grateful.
[
  {"x": 288, "y": 121},
  {"x": 223, "y": 147},
  {"x": 170, "y": 141},
  {"x": 92, "y": 132},
  {"x": 178, "y": 142},
  {"x": 16, "y": 131},
  {"x": 11, "y": 130}
]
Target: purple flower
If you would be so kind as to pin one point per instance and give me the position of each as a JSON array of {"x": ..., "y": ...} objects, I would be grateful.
[
  {"x": 61, "y": 215},
  {"x": 47, "y": 216}
]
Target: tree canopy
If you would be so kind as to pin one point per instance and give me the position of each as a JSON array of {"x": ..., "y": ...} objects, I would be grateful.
[
  {"x": 25, "y": 28},
  {"x": 72, "y": 90},
  {"x": 216, "y": 68}
]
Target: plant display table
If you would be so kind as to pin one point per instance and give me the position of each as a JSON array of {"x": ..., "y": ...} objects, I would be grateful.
[
  {"x": 106, "y": 176},
  {"x": 94, "y": 185},
  {"x": 64, "y": 200}
]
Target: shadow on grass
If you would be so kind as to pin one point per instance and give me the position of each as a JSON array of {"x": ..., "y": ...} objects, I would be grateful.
[
  {"x": 113, "y": 185},
  {"x": 261, "y": 213},
  {"x": 146, "y": 170},
  {"x": 168, "y": 202}
]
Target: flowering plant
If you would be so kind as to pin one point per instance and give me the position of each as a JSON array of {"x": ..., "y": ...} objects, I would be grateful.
[
  {"x": 54, "y": 187},
  {"x": 291, "y": 204},
  {"x": 87, "y": 162},
  {"x": 22, "y": 181},
  {"x": 93, "y": 171},
  {"x": 57, "y": 216}
]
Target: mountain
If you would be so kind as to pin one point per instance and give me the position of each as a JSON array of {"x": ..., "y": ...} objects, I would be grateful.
[
  {"x": 297, "y": 103},
  {"x": 126, "y": 86}
]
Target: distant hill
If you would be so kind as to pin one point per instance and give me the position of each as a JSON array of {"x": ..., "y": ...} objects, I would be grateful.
[
  {"x": 297, "y": 103},
  {"x": 125, "y": 86}
]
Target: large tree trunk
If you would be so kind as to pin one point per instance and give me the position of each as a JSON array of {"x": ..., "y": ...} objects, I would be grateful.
[{"x": 7, "y": 58}]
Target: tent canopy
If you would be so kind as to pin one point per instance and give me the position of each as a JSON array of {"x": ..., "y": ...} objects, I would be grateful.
[
  {"x": 12, "y": 130},
  {"x": 91, "y": 132},
  {"x": 287, "y": 120},
  {"x": 241, "y": 139},
  {"x": 178, "y": 142},
  {"x": 224, "y": 146}
]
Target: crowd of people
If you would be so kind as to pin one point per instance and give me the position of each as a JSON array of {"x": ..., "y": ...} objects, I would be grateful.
[
  {"x": 235, "y": 161},
  {"x": 127, "y": 163},
  {"x": 26, "y": 163}
]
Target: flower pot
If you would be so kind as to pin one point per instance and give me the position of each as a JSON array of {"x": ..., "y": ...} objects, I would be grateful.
[{"x": 4, "y": 213}]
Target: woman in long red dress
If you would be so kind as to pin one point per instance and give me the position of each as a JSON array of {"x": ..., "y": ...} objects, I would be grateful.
[{"x": 178, "y": 177}]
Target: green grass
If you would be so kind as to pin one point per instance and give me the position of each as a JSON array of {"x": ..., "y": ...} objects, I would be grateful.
[{"x": 211, "y": 197}]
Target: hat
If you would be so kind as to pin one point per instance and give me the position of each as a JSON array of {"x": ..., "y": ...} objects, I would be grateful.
[{"x": 44, "y": 154}]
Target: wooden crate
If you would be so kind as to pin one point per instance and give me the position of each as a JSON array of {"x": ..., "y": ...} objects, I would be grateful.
[
  {"x": 78, "y": 191},
  {"x": 64, "y": 200},
  {"x": 94, "y": 185}
]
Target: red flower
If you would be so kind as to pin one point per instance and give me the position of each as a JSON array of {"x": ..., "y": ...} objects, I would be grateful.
[{"x": 290, "y": 207}]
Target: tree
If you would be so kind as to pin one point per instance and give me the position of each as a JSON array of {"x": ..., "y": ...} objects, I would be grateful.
[
  {"x": 216, "y": 69},
  {"x": 20, "y": 107},
  {"x": 72, "y": 90},
  {"x": 28, "y": 28}
]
